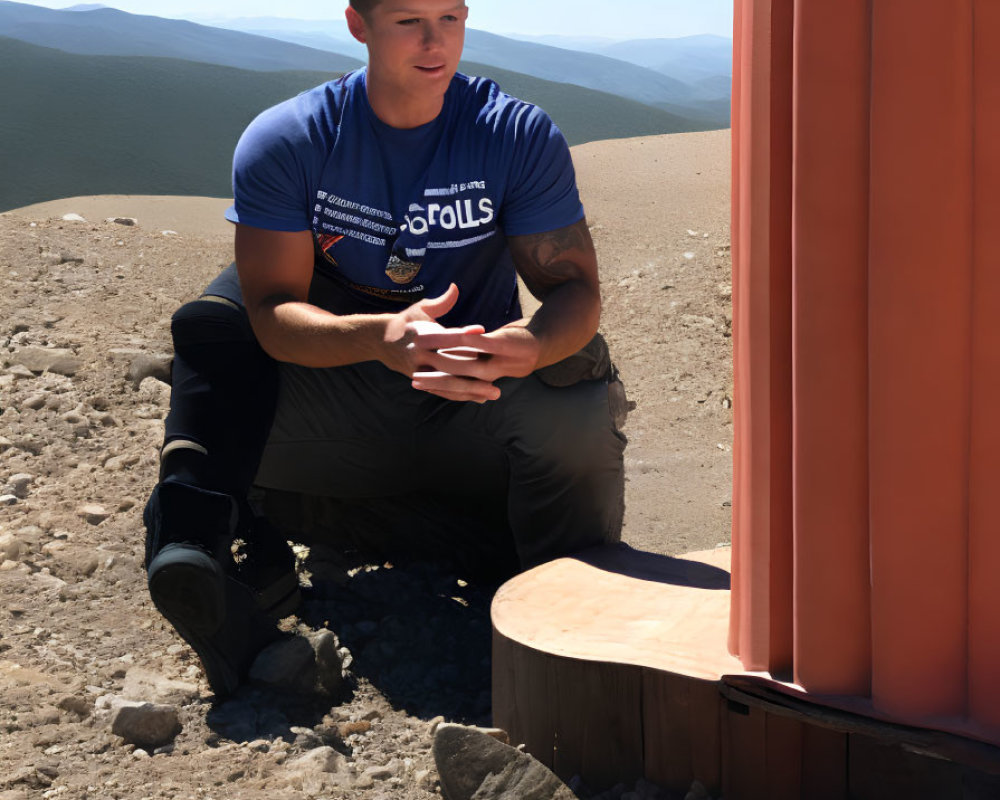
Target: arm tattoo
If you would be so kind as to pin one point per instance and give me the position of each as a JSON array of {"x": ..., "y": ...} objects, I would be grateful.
[{"x": 546, "y": 260}]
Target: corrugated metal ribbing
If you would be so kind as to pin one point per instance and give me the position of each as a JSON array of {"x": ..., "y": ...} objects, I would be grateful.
[
  {"x": 920, "y": 278},
  {"x": 872, "y": 336},
  {"x": 762, "y": 317},
  {"x": 830, "y": 311},
  {"x": 984, "y": 461}
]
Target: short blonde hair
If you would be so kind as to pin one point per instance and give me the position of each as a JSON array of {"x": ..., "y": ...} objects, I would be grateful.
[{"x": 363, "y": 7}]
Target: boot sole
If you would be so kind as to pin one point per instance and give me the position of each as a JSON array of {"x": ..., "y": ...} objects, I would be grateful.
[
  {"x": 187, "y": 584},
  {"x": 223, "y": 620}
]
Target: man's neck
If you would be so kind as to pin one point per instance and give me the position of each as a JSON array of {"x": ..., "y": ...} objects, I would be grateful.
[{"x": 399, "y": 110}]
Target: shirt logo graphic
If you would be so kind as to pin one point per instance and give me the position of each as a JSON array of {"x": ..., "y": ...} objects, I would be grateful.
[
  {"x": 459, "y": 214},
  {"x": 325, "y": 241},
  {"x": 400, "y": 270}
]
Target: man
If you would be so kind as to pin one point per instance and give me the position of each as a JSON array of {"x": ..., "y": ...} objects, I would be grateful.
[{"x": 373, "y": 346}]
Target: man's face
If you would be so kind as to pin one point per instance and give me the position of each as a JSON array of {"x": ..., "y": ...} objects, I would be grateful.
[{"x": 413, "y": 45}]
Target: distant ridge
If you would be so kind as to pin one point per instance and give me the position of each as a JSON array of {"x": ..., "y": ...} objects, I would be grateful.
[
  {"x": 108, "y": 31},
  {"x": 590, "y": 64},
  {"x": 166, "y": 126}
]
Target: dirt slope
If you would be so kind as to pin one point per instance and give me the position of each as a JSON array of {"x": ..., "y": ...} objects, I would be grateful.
[{"x": 78, "y": 455}]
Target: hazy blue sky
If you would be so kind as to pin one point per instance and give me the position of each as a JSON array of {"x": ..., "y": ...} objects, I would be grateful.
[{"x": 620, "y": 19}]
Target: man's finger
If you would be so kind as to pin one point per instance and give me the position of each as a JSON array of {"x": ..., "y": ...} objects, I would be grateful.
[
  {"x": 462, "y": 365},
  {"x": 471, "y": 336},
  {"x": 454, "y": 387},
  {"x": 436, "y": 307}
]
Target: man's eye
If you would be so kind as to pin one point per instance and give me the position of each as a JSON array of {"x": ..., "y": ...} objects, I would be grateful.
[
  {"x": 450, "y": 18},
  {"x": 413, "y": 21}
]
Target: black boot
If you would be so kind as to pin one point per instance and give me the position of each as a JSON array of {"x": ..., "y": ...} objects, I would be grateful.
[{"x": 218, "y": 606}]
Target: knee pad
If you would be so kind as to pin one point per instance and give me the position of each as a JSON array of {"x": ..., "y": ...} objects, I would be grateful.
[{"x": 209, "y": 321}]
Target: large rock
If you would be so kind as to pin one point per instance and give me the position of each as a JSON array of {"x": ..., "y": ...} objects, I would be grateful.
[
  {"x": 300, "y": 664},
  {"x": 287, "y": 665},
  {"x": 146, "y": 725},
  {"x": 48, "y": 359},
  {"x": 474, "y": 765}
]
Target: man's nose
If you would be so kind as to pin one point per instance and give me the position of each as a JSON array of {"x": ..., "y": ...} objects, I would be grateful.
[{"x": 432, "y": 35}]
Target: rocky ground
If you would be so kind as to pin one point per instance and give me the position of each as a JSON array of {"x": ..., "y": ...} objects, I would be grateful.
[{"x": 84, "y": 348}]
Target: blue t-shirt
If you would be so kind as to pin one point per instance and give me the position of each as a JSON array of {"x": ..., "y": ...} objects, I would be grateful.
[{"x": 396, "y": 215}]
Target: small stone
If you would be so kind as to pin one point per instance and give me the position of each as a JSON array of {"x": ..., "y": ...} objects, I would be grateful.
[
  {"x": 72, "y": 218},
  {"x": 93, "y": 513},
  {"x": 378, "y": 773},
  {"x": 83, "y": 564},
  {"x": 319, "y": 769},
  {"x": 118, "y": 463},
  {"x": 11, "y": 548},
  {"x": 7, "y": 499},
  {"x": 48, "y": 359},
  {"x": 147, "y": 365},
  {"x": 145, "y": 725},
  {"x": 81, "y": 706},
  {"x": 142, "y": 684},
  {"x": 45, "y": 582},
  {"x": 20, "y": 371},
  {"x": 346, "y": 729},
  {"x": 154, "y": 391},
  {"x": 19, "y": 484},
  {"x": 35, "y": 402},
  {"x": 329, "y": 663},
  {"x": 127, "y": 221}
]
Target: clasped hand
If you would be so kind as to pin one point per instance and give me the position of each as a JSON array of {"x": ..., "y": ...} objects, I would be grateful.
[{"x": 456, "y": 363}]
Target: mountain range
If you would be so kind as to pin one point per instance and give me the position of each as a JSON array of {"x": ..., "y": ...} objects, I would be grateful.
[
  {"x": 688, "y": 74},
  {"x": 117, "y": 103}
]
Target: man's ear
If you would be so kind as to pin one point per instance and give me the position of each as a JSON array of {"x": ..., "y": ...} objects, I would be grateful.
[{"x": 355, "y": 24}]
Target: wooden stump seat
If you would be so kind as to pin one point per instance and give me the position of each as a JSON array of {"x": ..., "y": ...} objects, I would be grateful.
[{"x": 614, "y": 665}]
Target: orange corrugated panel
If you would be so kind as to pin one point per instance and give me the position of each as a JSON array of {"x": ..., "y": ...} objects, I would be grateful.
[
  {"x": 780, "y": 561},
  {"x": 750, "y": 456},
  {"x": 740, "y": 418},
  {"x": 761, "y": 631},
  {"x": 984, "y": 520},
  {"x": 830, "y": 252},
  {"x": 919, "y": 303}
]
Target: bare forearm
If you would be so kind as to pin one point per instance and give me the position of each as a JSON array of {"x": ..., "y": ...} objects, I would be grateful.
[
  {"x": 301, "y": 333},
  {"x": 566, "y": 320},
  {"x": 560, "y": 268}
]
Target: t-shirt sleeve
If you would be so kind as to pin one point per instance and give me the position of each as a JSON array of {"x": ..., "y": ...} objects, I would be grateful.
[
  {"x": 542, "y": 194},
  {"x": 269, "y": 177}
]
